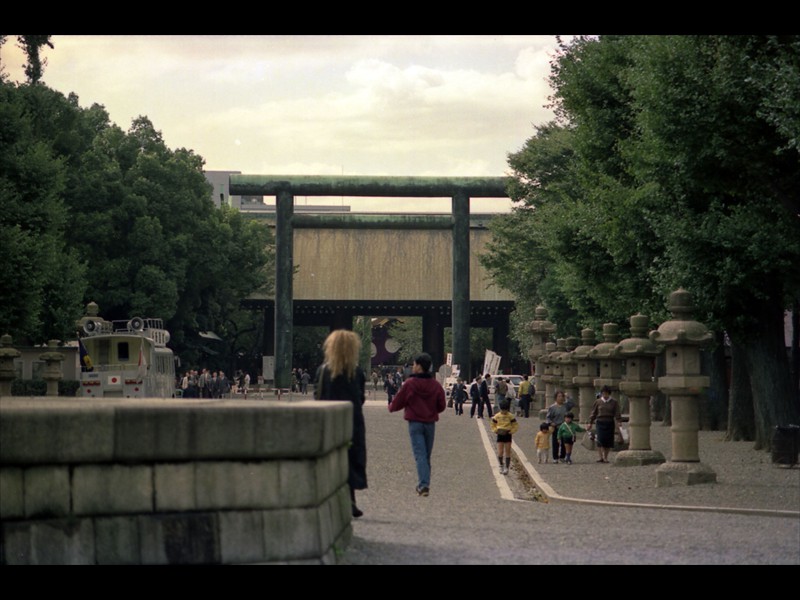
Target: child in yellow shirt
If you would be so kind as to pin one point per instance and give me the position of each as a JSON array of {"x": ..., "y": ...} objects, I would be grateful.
[
  {"x": 504, "y": 424},
  {"x": 543, "y": 442}
]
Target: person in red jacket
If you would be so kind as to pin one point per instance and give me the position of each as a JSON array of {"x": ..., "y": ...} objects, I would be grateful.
[{"x": 422, "y": 398}]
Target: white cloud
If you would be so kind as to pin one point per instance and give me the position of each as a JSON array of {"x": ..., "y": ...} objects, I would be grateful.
[{"x": 372, "y": 105}]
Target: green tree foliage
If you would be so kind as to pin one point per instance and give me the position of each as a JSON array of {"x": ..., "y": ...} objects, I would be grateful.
[
  {"x": 43, "y": 278},
  {"x": 32, "y": 45},
  {"x": 673, "y": 163},
  {"x": 93, "y": 213},
  {"x": 408, "y": 333}
]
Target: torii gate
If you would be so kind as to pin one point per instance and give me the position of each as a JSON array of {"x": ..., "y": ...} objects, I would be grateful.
[{"x": 286, "y": 187}]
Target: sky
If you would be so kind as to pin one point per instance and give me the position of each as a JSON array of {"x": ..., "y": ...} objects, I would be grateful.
[{"x": 373, "y": 105}]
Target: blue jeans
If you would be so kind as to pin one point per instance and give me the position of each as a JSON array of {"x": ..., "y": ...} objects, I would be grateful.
[{"x": 421, "y": 435}]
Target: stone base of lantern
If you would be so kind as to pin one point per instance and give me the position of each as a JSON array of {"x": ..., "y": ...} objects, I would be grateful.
[
  {"x": 638, "y": 458},
  {"x": 684, "y": 473}
]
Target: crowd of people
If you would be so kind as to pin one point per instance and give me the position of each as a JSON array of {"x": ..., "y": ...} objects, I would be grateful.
[
  {"x": 557, "y": 434},
  {"x": 212, "y": 384},
  {"x": 415, "y": 390}
]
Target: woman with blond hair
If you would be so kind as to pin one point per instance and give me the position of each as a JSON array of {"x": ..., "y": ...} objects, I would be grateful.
[{"x": 340, "y": 378}]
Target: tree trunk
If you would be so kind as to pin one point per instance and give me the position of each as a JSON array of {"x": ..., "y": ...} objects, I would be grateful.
[
  {"x": 661, "y": 408},
  {"x": 796, "y": 349},
  {"x": 741, "y": 415},
  {"x": 714, "y": 405},
  {"x": 770, "y": 381}
]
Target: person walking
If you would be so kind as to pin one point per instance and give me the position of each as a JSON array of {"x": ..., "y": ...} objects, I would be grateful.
[
  {"x": 459, "y": 395},
  {"x": 475, "y": 398},
  {"x": 375, "y": 379},
  {"x": 555, "y": 417},
  {"x": 500, "y": 392},
  {"x": 606, "y": 414},
  {"x": 485, "y": 401},
  {"x": 390, "y": 386},
  {"x": 305, "y": 379},
  {"x": 340, "y": 378},
  {"x": 566, "y": 435},
  {"x": 505, "y": 425},
  {"x": 542, "y": 443},
  {"x": 525, "y": 395},
  {"x": 421, "y": 398},
  {"x": 224, "y": 385}
]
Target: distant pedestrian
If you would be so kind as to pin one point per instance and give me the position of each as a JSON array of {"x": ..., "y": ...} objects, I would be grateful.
[
  {"x": 566, "y": 435},
  {"x": 606, "y": 414},
  {"x": 500, "y": 392},
  {"x": 555, "y": 417},
  {"x": 244, "y": 383},
  {"x": 475, "y": 398},
  {"x": 390, "y": 386},
  {"x": 505, "y": 425},
  {"x": 542, "y": 443},
  {"x": 224, "y": 385},
  {"x": 340, "y": 378},
  {"x": 459, "y": 396},
  {"x": 485, "y": 401},
  {"x": 305, "y": 378},
  {"x": 525, "y": 395},
  {"x": 422, "y": 398},
  {"x": 375, "y": 379}
]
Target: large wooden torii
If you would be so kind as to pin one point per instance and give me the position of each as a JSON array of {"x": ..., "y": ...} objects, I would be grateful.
[{"x": 286, "y": 187}]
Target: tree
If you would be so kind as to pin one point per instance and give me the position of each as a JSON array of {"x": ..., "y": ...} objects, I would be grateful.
[
  {"x": 44, "y": 276},
  {"x": 721, "y": 149},
  {"x": 672, "y": 164},
  {"x": 32, "y": 45},
  {"x": 92, "y": 213}
]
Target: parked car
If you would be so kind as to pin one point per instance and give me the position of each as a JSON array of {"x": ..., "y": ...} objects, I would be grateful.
[{"x": 511, "y": 379}]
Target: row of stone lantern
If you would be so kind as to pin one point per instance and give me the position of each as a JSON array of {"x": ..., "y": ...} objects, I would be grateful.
[
  {"x": 564, "y": 365},
  {"x": 52, "y": 374}
]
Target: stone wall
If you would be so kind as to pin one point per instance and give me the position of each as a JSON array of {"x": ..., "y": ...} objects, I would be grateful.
[{"x": 173, "y": 481}]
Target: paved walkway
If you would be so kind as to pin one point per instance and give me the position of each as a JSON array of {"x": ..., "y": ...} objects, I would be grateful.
[{"x": 584, "y": 513}]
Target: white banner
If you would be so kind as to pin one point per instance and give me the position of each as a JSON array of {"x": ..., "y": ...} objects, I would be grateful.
[
  {"x": 268, "y": 368},
  {"x": 491, "y": 363}
]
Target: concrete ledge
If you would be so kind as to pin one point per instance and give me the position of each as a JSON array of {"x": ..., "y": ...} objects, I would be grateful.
[
  {"x": 173, "y": 482},
  {"x": 128, "y": 430}
]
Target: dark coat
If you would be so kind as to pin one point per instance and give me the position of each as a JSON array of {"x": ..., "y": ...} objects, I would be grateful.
[
  {"x": 484, "y": 390},
  {"x": 342, "y": 388}
]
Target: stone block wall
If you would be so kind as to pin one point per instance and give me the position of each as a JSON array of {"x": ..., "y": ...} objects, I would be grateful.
[{"x": 173, "y": 481}]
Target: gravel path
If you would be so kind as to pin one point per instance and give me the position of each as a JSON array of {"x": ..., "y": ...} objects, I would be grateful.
[{"x": 584, "y": 513}]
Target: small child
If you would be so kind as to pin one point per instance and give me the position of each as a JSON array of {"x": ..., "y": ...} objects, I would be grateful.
[
  {"x": 543, "y": 442},
  {"x": 566, "y": 435},
  {"x": 504, "y": 424}
]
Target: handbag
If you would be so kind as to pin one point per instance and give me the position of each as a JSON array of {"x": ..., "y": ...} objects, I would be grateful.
[
  {"x": 588, "y": 441},
  {"x": 450, "y": 403}
]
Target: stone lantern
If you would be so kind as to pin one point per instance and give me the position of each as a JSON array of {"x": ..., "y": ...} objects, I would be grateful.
[
  {"x": 585, "y": 374},
  {"x": 638, "y": 385},
  {"x": 7, "y": 356},
  {"x": 556, "y": 366},
  {"x": 569, "y": 369},
  {"x": 541, "y": 330},
  {"x": 52, "y": 370},
  {"x": 610, "y": 365},
  {"x": 548, "y": 378},
  {"x": 682, "y": 339}
]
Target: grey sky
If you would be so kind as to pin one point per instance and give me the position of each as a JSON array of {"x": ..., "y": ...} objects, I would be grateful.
[{"x": 318, "y": 105}]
